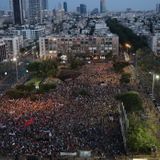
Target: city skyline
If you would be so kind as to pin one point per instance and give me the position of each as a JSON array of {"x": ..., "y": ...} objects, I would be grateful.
[{"x": 111, "y": 5}]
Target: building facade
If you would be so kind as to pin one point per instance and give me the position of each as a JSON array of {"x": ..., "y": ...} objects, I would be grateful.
[
  {"x": 35, "y": 11},
  {"x": 30, "y": 33},
  {"x": 25, "y": 9},
  {"x": 91, "y": 45},
  {"x": 154, "y": 43},
  {"x": 13, "y": 45},
  {"x": 3, "y": 53},
  {"x": 44, "y": 4},
  {"x": 18, "y": 12},
  {"x": 158, "y": 8},
  {"x": 78, "y": 9},
  {"x": 83, "y": 9},
  {"x": 102, "y": 6}
]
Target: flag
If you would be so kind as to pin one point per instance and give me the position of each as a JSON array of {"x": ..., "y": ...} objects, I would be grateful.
[{"x": 29, "y": 122}]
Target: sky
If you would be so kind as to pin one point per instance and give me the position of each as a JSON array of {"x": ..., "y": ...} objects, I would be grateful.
[{"x": 112, "y": 5}]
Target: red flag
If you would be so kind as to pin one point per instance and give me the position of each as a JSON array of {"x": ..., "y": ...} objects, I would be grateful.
[{"x": 29, "y": 122}]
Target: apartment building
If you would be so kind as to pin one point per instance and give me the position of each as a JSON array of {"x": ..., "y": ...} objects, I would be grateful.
[
  {"x": 93, "y": 45},
  {"x": 13, "y": 45}
]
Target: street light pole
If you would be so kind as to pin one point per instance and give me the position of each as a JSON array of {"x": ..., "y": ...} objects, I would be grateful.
[
  {"x": 128, "y": 46},
  {"x": 16, "y": 71},
  {"x": 155, "y": 77},
  {"x": 136, "y": 61},
  {"x": 153, "y": 84},
  {"x": 15, "y": 60}
]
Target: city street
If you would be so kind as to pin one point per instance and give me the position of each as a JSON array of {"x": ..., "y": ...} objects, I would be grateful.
[{"x": 10, "y": 80}]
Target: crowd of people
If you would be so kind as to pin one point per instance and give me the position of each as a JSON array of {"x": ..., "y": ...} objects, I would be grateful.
[{"x": 65, "y": 120}]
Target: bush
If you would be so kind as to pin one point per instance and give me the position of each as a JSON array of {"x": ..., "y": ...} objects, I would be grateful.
[
  {"x": 27, "y": 88},
  {"x": 17, "y": 94},
  {"x": 75, "y": 63},
  {"x": 45, "y": 88},
  {"x": 132, "y": 101},
  {"x": 67, "y": 74},
  {"x": 119, "y": 66},
  {"x": 139, "y": 138},
  {"x": 125, "y": 78},
  {"x": 23, "y": 91}
]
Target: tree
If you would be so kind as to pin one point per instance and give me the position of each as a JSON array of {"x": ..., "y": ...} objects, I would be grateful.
[
  {"x": 45, "y": 68},
  {"x": 132, "y": 101},
  {"x": 48, "y": 68},
  {"x": 34, "y": 67},
  {"x": 148, "y": 61},
  {"x": 126, "y": 35},
  {"x": 74, "y": 62},
  {"x": 22, "y": 50}
]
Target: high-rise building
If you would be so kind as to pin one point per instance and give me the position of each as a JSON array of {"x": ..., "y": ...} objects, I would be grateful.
[
  {"x": 158, "y": 8},
  {"x": 44, "y": 4},
  {"x": 60, "y": 6},
  {"x": 78, "y": 9},
  {"x": 83, "y": 9},
  {"x": 11, "y": 5},
  {"x": 94, "y": 11},
  {"x": 18, "y": 12},
  {"x": 35, "y": 11},
  {"x": 25, "y": 9},
  {"x": 65, "y": 6},
  {"x": 102, "y": 6}
]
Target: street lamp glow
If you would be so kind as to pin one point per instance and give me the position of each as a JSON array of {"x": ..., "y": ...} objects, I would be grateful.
[
  {"x": 27, "y": 71},
  {"x": 5, "y": 73},
  {"x": 128, "y": 45},
  {"x": 14, "y": 59},
  {"x": 157, "y": 77},
  {"x": 37, "y": 86}
]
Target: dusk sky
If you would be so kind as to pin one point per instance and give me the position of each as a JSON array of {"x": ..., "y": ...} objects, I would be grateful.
[{"x": 111, "y": 4}]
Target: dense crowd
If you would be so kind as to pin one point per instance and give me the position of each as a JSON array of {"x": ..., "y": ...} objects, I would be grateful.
[{"x": 65, "y": 120}]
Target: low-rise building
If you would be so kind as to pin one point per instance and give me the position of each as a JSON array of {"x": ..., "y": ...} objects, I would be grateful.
[
  {"x": 154, "y": 43},
  {"x": 3, "y": 53},
  {"x": 101, "y": 28}
]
